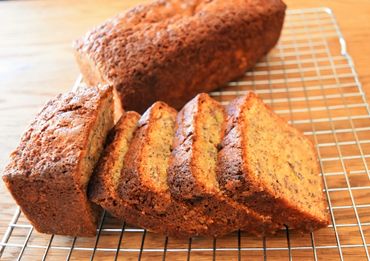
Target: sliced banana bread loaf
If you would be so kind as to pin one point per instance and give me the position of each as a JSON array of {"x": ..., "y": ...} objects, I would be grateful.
[
  {"x": 271, "y": 167},
  {"x": 195, "y": 45},
  {"x": 49, "y": 172},
  {"x": 192, "y": 171}
]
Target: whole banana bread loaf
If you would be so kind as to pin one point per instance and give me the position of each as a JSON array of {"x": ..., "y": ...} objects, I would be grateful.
[
  {"x": 172, "y": 50},
  {"x": 271, "y": 167},
  {"x": 48, "y": 173}
]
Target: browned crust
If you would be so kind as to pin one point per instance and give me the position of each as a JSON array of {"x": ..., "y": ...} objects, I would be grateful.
[
  {"x": 193, "y": 45},
  {"x": 178, "y": 217},
  {"x": 227, "y": 216},
  {"x": 44, "y": 174},
  {"x": 234, "y": 179}
]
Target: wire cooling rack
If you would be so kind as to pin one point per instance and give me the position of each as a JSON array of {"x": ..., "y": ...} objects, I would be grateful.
[{"x": 310, "y": 80}]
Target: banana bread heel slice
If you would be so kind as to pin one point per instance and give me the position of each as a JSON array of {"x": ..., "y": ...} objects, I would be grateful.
[
  {"x": 48, "y": 173},
  {"x": 271, "y": 167},
  {"x": 192, "y": 171}
]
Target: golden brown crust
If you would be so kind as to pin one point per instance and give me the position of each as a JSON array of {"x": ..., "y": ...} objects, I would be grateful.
[
  {"x": 194, "y": 45},
  {"x": 45, "y": 174},
  {"x": 47, "y": 178},
  {"x": 235, "y": 173},
  {"x": 179, "y": 218}
]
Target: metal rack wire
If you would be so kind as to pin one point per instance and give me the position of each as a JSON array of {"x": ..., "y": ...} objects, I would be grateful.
[{"x": 310, "y": 80}]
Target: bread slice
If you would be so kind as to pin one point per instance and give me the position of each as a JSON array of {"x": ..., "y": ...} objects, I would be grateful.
[
  {"x": 104, "y": 181},
  {"x": 143, "y": 181},
  {"x": 199, "y": 130},
  {"x": 192, "y": 171},
  {"x": 49, "y": 171},
  {"x": 271, "y": 167}
]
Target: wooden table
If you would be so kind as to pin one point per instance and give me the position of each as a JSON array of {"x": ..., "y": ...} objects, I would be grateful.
[{"x": 36, "y": 60}]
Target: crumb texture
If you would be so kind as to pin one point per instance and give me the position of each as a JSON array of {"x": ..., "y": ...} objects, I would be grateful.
[
  {"x": 103, "y": 188},
  {"x": 284, "y": 159},
  {"x": 157, "y": 151},
  {"x": 106, "y": 175},
  {"x": 148, "y": 158}
]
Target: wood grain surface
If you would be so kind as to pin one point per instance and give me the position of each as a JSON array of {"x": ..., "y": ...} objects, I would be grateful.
[{"x": 36, "y": 60}]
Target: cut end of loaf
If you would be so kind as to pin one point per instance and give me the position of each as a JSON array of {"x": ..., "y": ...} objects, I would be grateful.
[{"x": 99, "y": 132}]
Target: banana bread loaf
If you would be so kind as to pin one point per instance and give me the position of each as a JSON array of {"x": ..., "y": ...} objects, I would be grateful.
[
  {"x": 195, "y": 45},
  {"x": 49, "y": 172},
  {"x": 271, "y": 167},
  {"x": 192, "y": 172}
]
